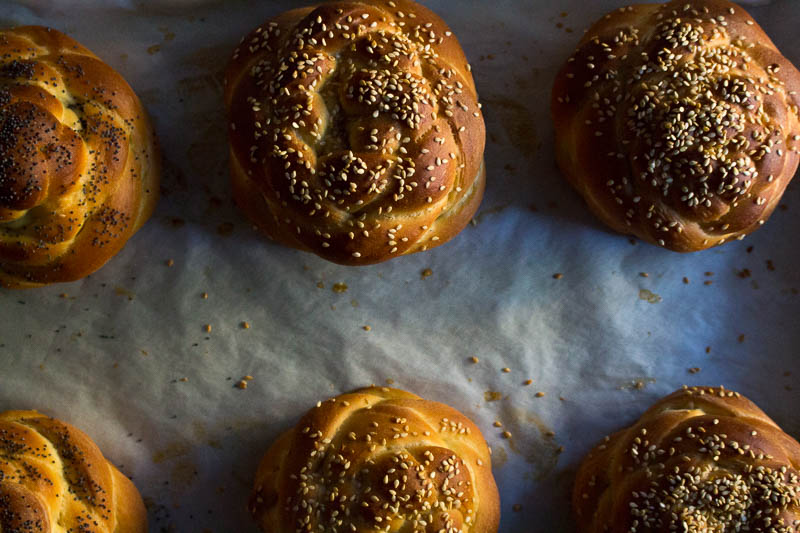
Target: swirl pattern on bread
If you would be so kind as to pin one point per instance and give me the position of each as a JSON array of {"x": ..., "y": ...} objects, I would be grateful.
[
  {"x": 678, "y": 122},
  {"x": 700, "y": 460},
  {"x": 53, "y": 479},
  {"x": 79, "y": 168},
  {"x": 355, "y": 130},
  {"x": 382, "y": 460}
]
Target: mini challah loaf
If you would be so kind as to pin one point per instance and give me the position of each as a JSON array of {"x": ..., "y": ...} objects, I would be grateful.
[
  {"x": 53, "y": 479},
  {"x": 79, "y": 170},
  {"x": 355, "y": 130},
  {"x": 678, "y": 122},
  {"x": 378, "y": 460},
  {"x": 701, "y": 460}
]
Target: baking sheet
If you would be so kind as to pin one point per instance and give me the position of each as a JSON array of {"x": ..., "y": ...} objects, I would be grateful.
[{"x": 124, "y": 354}]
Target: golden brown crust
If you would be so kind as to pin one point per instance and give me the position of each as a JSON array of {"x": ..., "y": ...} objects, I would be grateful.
[
  {"x": 80, "y": 168},
  {"x": 355, "y": 130},
  {"x": 700, "y": 460},
  {"x": 678, "y": 122},
  {"x": 378, "y": 459},
  {"x": 54, "y": 478}
]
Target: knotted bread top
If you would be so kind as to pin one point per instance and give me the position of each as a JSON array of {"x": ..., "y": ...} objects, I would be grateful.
[
  {"x": 54, "y": 478},
  {"x": 702, "y": 460},
  {"x": 78, "y": 172},
  {"x": 678, "y": 122},
  {"x": 378, "y": 460},
  {"x": 358, "y": 125}
]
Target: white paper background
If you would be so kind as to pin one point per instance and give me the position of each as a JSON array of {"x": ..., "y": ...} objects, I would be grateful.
[{"x": 192, "y": 446}]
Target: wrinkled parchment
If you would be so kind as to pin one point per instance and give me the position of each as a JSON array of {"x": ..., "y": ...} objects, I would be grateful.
[{"x": 124, "y": 354}]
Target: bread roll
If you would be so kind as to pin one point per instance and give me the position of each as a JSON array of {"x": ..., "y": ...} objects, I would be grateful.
[
  {"x": 678, "y": 122},
  {"x": 378, "y": 460},
  {"x": 79, "y": 170},
  {"x": 355, "y": 130},
  {"x": 701, "y": 460},
  {"x": 53, "y": 479}
]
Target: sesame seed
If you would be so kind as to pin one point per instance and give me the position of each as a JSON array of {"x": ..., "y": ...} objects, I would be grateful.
[
  {"x": 745, "y": 491},
  {"x": 289, "y": 63},
  {"x": 702, "y": 129}
]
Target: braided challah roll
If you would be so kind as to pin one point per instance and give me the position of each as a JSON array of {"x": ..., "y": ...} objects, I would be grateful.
[
  {"x": 378, "y": 460},
  {"x": 53, "y": 479},
  {"x": 701, "y": 460},
  {"x": 678, "y": 122},
  {"x": 355, "y": 130},
  {"x": 79, "y": 169}
]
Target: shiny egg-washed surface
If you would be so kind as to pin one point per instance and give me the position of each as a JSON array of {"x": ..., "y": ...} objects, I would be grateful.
[
  {"x": 79, "y": 168},
  {"x": 355, "y": 130},
  {"x": 54, "y": 479},
  {"x": 378, "y": 459},
  {"x": 679, "y": 122},
  {"x": 700, "y": 460}
]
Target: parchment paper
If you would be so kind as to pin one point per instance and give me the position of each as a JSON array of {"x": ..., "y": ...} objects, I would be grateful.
[{"x": 124, "y": 354}]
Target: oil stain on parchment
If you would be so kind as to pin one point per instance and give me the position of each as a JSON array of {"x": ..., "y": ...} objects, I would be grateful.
[
  {"x": 533, "y": 440},
  {"x": 499, "y": 457},
  {"x": 122, "y": 291},
  {"x": 517, "y": 121},
  {"x": 649, "y": 297},
  {"x": 488, "y": 212},
  {"x": 172, "y": 451},
  {"x": 492, "y": 396}
]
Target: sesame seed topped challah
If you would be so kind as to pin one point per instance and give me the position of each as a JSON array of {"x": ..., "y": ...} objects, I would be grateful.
[
  {"x": 678, "y": 122},
  {"x": 374, "y": 460},
  {"x": 702, "y": 460},
  {"x": 355, "y": 130}
]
